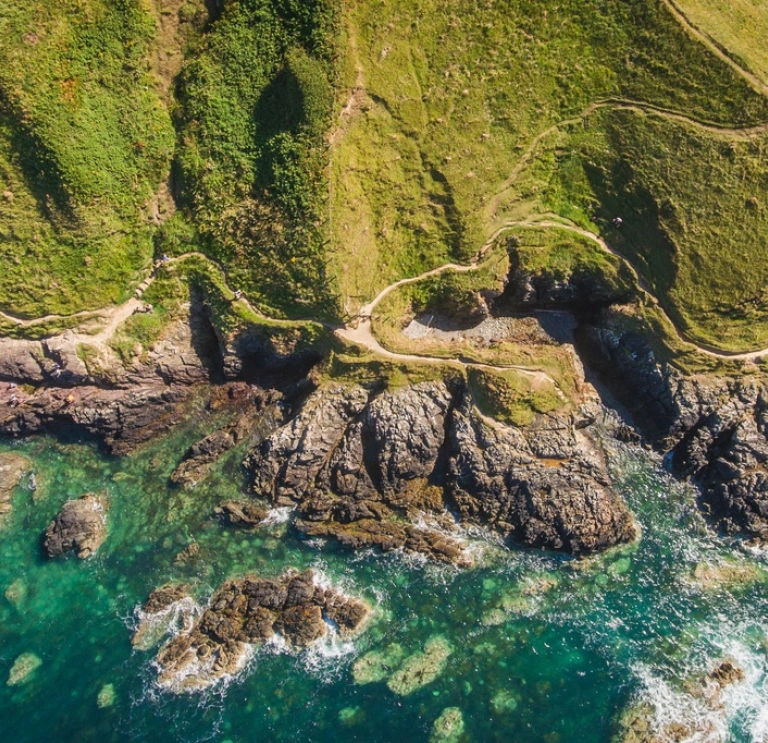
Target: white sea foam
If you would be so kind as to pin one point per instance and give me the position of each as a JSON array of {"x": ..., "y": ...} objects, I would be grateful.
[
  {"x": 276, "y": 516},
  {"x": 712, "y": 714},
  {"x": 178, "y": 617}
]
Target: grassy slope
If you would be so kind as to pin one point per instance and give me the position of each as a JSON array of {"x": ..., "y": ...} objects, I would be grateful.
[
  {"x": 456, "y": 91},
  {"x": 255, "y": 101},
  {"x": 84, "y": 143},
  {"x": 694, "y": 206},
  {"x": 739, "y": 26}
]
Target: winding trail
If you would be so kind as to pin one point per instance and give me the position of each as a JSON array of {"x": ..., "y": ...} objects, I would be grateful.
[{"x": 359, "y": 329}]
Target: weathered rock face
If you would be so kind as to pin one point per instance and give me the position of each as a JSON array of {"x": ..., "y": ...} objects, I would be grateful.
[
  {"x": 544, "y": 488},
  {"x": 12, "y": 468},
  {"x": 250, "y": 611},
  {"x": 79, "y": 527},
  {"x": 366, "y": 472},
  {"x": 716, "y": 429},
  {"x": 726, "y": 453}
]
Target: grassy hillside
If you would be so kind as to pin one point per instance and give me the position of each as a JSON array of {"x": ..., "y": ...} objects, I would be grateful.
[
  {"x": 84, "y": 144},
  {"x": 320, "y": 150},
  {"x": 255, "y": 102},
  {"x": 738, "y": 26},
  {"x": 448, "y": 96}
]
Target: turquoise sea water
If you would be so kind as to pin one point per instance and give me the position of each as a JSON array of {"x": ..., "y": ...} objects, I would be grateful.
[{"x": 544, "y": 648}]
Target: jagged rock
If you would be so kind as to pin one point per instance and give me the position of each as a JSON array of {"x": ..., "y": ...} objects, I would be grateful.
[
  {"x": 166, "y": 606},
  {"x": 286, "y": 464},
  {"x": 124, "y": 418},
  {"x": 495, "y": 478},
  {"x": 80, "y": 527},
  {"x": 241, "y": 513},
  {"x": 726, "y": 454},
  {"x": 250, "y": 611},
  {"x": 161, "y": 598},
  {"x": 20, "y": 361},
  {"x": 726, "y": 674},
  {"x": 12, "y": 468},
  {"x": 355, "y": 467},
  {"x": 200, "y": 456}
]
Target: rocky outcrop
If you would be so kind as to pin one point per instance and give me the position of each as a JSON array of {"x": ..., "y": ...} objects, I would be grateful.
[
  {"x": 241, "y": 513},
  {"x": 79, "y": 527},
  {"x": 726, "y": 454},
  {"x": 123, "y": 418},
  {"x": 367, "y": 471},
  {"x": 250, "y": 611},
  {"x": 12, "y": 468},
  {"x": 716, "y": 429},
  {"x": 544, "y": 487}
]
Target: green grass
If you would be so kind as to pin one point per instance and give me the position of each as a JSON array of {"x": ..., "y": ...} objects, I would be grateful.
[
  {"x": 255, "y": 101},
  {"x": 510, "y": 397},
  {"x": 84, "y": 144},
  {"x": 695, "y": 211},
  {"x": 739, "y": 26},
  {"x": 455, "y": 92}
]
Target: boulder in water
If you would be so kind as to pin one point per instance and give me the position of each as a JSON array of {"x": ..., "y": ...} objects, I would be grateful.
[
  {"x": 250, "y": 611},
  {"x": 80, "y": 527}
]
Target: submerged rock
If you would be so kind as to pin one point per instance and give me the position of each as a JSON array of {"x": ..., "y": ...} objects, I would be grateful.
[
  {"x": 80, "y": 527},
  {"x": 22, "y": 668},
  {"x": 726, "y": 574},
  {"x": 421, "y": 669},
  {"x": 378, "y": 664},
  {"x": 13, "y": 467},
  {"x": 106, "y": 697},
  {"x": 250, "y": 611},
  {"x": 448, "y": 728}
]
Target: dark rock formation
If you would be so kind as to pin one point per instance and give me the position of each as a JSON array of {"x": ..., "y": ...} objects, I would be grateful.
[
  {"x": 726, "y": 454},
  {"x": 250, "y": 611},
  {"x": 545, "y": 487},
  {"x": 12, "y": 468},
  {"x": 80, "y": 527},
  {"x": 366, "y": 472},
  {"x": 241, "y": 513},
  {"x": 715, "y": 428}
]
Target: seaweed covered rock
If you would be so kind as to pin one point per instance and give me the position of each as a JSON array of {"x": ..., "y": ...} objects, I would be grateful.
[
  {"x": 249, "y": 611},
  {"x": 366, "y": 471},
  {"x": 449, "y": 727},
  {"x": 79, "y": 527}
]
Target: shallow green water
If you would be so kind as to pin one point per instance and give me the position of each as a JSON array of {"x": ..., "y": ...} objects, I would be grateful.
[{"x": 528, "y": 664}]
